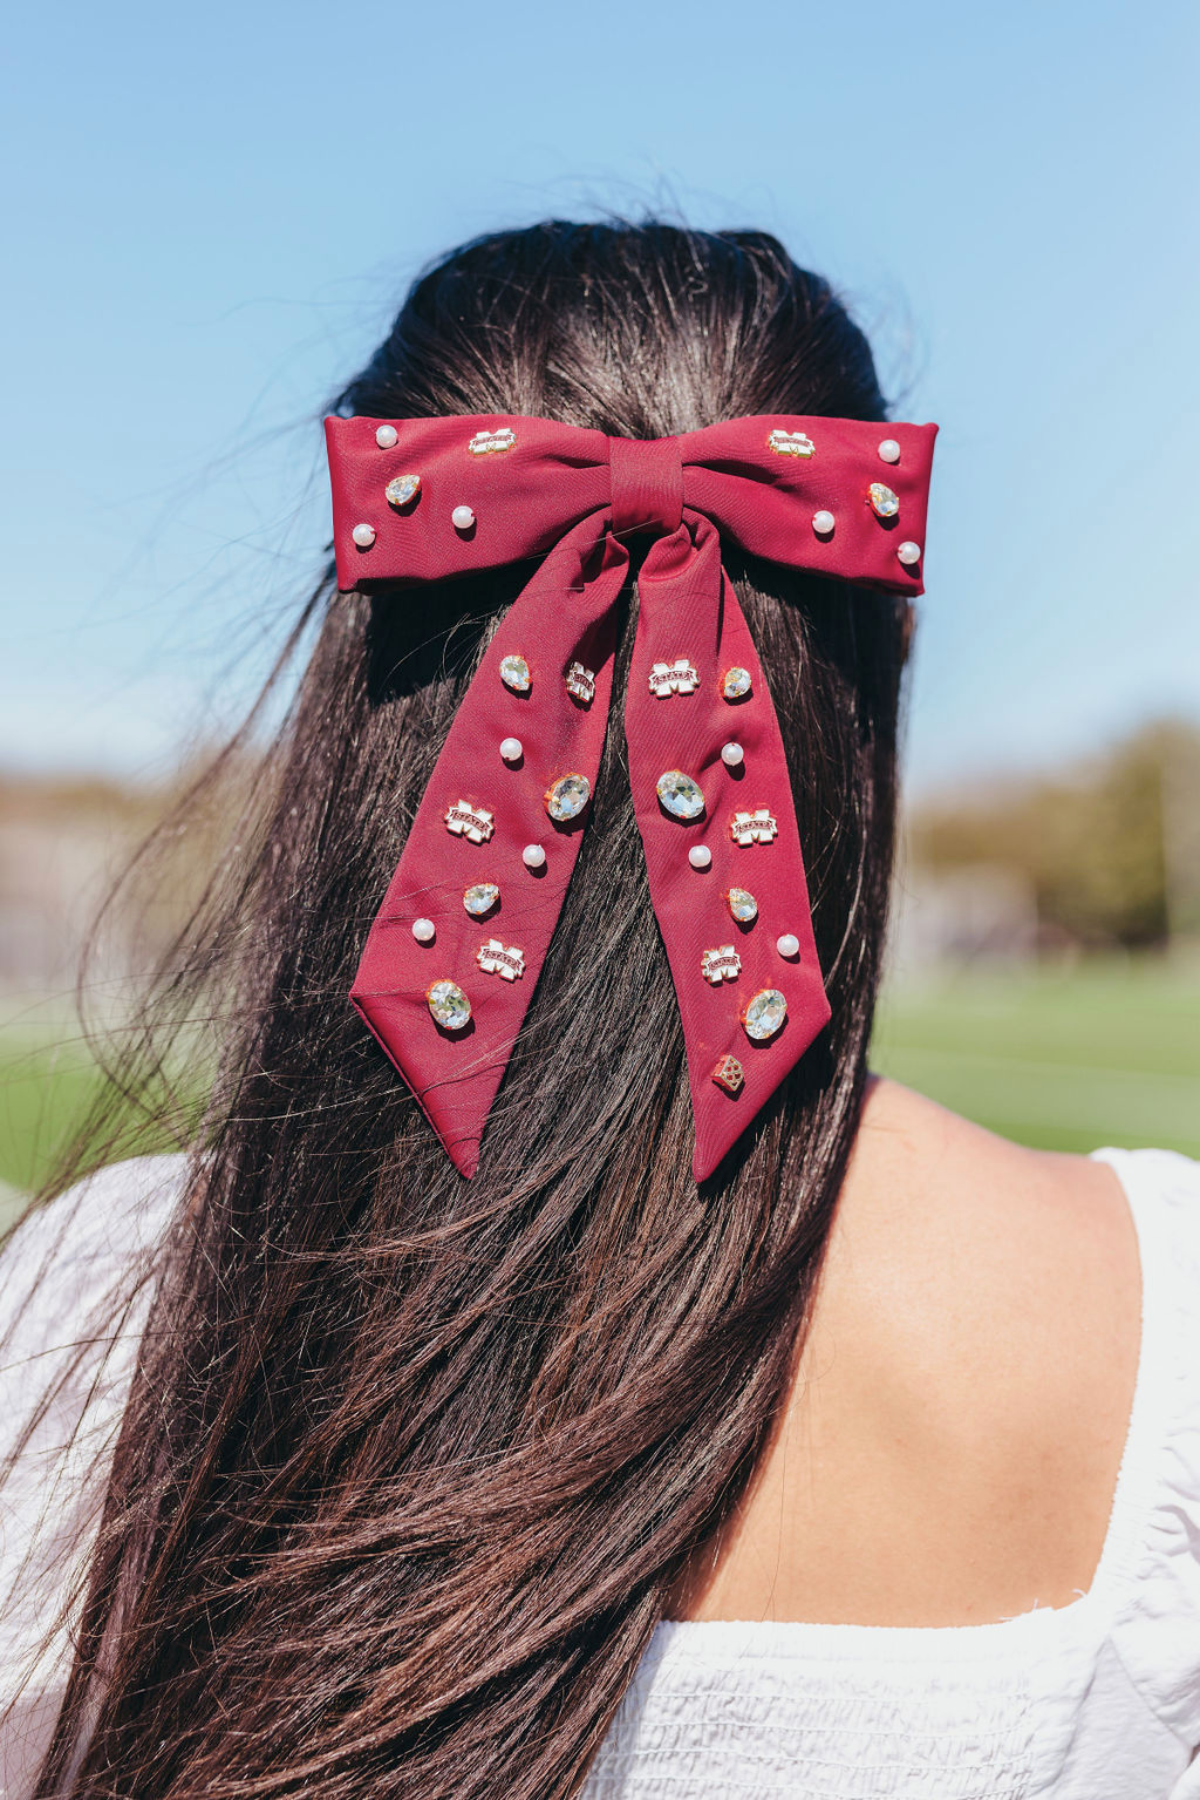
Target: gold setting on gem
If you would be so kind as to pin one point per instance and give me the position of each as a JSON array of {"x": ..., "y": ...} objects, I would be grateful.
[
  {"x": 480, "y": 898},
  {"x": 448, "y": 1005},
  {"x": 742, "y": 905},
  {"x": 735, "y": 683},
  {"x": 764, "y": 1014},
  {"x": 566, "y": 798},
  {"x": 884, "y": 501},
  {"x": 402, "y": 490},
  {"x": 514, "y": 673}
]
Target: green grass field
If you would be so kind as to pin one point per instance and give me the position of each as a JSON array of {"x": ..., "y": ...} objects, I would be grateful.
[{"x": 1065, "y": 1060}]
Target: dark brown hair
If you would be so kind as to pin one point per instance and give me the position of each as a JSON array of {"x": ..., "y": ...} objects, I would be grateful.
[{"x": 410, "y": 1464}]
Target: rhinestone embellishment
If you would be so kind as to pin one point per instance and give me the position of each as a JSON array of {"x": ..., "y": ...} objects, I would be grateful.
[
  {"x": 567, "y": 797},
  {"x": 581, "y": 683},
  {"x": 729, "y": 1075},
  {"x": 402, "y": 489},
  {"x": 764, "y": 1014},
  {"x": 480, "y": 898},
  {"x": 791, "y": 443},
  {"x": 448, "y": 1005},
  {"x": 494, "y": 958},
  {"x": 735, "y": 684},
  {"x": 742, "y": 905},
  {"x": 514, "y": 673},
  {"x": 473, "y": 822},
  {"x": 678, "y": 677},
  {"x": 757, "y": 827},
  {"x": 680, "y": 795},
  {"x": 885, "y": 504},
  {"x": 721, "y": 964},
  {"x": 491, "y": 443}
]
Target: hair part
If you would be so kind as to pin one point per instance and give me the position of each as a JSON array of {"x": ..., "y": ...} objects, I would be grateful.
[{"x": 411, "y": 1467}]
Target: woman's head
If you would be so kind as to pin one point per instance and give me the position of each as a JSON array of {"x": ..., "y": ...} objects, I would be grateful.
[{"x": 411, "y": 1465}]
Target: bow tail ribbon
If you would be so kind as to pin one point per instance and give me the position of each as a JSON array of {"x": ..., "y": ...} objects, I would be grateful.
[
  {"x": 689, "y": 613},
  {"x": 478, "y": 817}
]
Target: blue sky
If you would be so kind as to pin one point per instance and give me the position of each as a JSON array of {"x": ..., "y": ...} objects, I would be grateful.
[{"x": 214, "y": 210}]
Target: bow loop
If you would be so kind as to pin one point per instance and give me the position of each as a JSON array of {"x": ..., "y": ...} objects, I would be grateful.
[{"x": 455, "y": 952}]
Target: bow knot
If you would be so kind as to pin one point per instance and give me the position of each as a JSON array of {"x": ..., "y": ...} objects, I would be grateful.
[{"x": 647, "y": 485}]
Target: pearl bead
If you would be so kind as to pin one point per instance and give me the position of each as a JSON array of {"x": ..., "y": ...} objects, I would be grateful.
[
  {"x": 364, "y": 536},
  {"x": 700, "y": 856},
  {"x": 512, "y": 749},
  {"x": 908, "y": 552},
  {"x": 823, "y": 523},
  {"x": 533, "y": 856},
  {"x": 889, "y": 450},
  {"x": 732, "y": 755},
  {"x": 788, "y": 945},
  {"x": 462, "y": 518},
  {"x": 386, "y": 436},
  {"x": 424, "y": 930}
]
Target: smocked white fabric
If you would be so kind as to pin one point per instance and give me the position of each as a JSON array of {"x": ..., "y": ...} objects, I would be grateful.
[{"x": 1099, "y": 1700}]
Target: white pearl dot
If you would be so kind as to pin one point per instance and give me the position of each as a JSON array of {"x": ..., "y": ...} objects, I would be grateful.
[
  {"x": 424, "y": 930},
  {"x": 732, "y": 755},
  {"x": 890, "y": 450},
  {"x": 823, "y": 523},
  {"x": 512, "y": 749},
  {"x": 908, "y": 552},
  {"x": 700, "y": 856},
  {"x": 462, "y": 518},
  {"x": 788, "y": 945},
  {"x": 386, "y": 436},
  {"x": 533, "y": 856},
  {"x": 364, "y": 536}
]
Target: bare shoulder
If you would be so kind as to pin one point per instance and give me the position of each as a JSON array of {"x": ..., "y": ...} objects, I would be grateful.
[
  {"x": 951, "y": 1444},
  {"x": 943, "y": 1227}
]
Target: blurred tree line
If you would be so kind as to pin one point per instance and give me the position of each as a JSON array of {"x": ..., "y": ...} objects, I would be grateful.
[{"x": 1110, "y": 848}]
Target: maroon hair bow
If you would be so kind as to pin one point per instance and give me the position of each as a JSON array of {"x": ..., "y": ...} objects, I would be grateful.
[{"x": 454, "y": 954}]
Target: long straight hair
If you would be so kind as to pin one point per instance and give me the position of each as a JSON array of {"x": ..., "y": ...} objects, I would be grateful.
[{"x": 411, "y": 1466}]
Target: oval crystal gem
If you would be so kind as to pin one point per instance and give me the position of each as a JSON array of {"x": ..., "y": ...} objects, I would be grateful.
[
  {"x": 884, "y": 503},
  {"x": 680, "y": 795},
  {"x": 514, "y": 673},
  {"x": 567, "y": 797},
  {"x": 764, "y": 1014},
  {"x": 736, "y": 684},
  {"x": 480, "y": 898},
  {"x": 449, "y": 1005},
  {"x": 742, "y": 905},
  {"x": 402, "y": 489}
]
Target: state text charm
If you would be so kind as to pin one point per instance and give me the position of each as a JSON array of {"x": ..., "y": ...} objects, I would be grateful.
[
  {"x": 721, "y": 964},
  {"x": 678, "y": 677},
  {"x": 473, "y": 822},
  {"x": 581, "y": 683},
  {"x": 757, "y": 827},
  {"x": 495, "y": 958},
  {"x": 536, "y": 726}
]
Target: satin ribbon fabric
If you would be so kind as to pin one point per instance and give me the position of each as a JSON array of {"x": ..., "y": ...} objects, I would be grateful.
[{"x": 532, "y": 487}]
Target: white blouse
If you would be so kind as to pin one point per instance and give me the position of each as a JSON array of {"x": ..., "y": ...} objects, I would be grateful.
[{"x": 1099, "y": 1700}]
